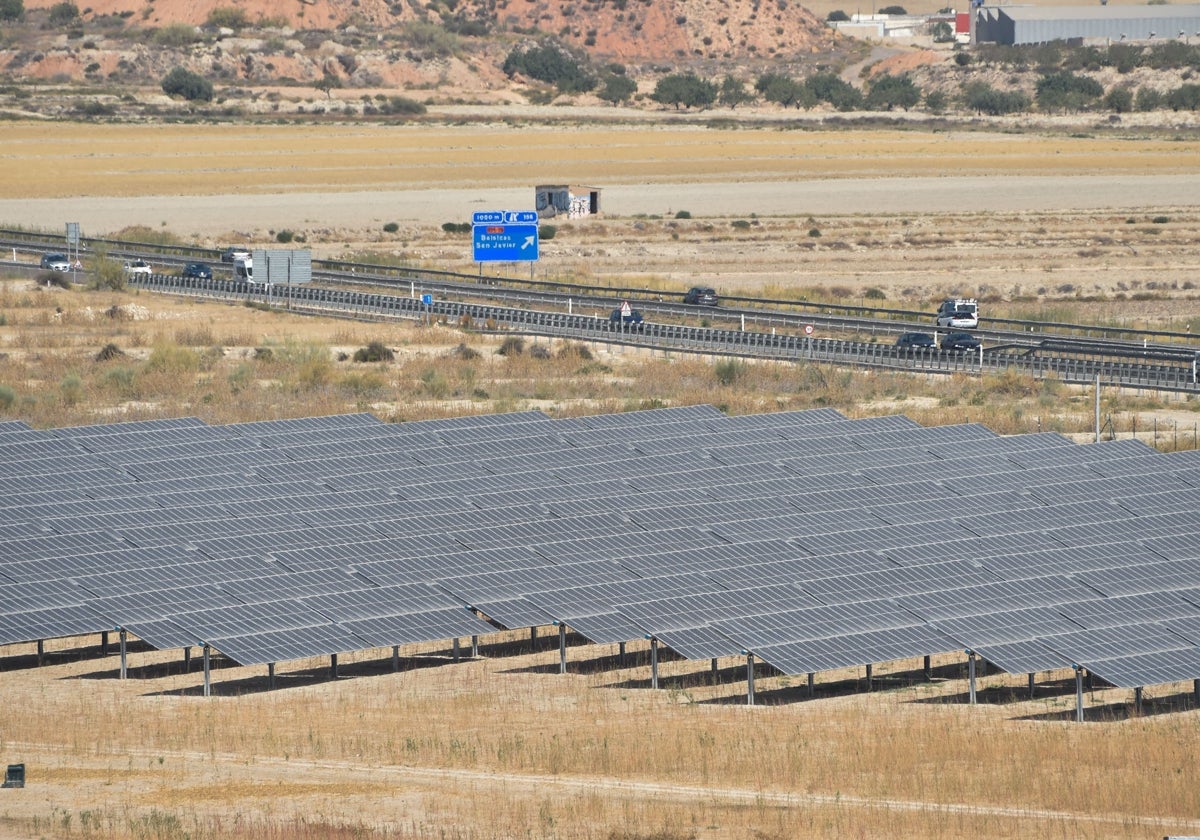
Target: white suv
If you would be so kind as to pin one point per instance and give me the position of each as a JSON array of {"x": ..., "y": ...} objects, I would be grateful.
[
  {"x": 138, "y": 267},
  {"x": 959, "y": 314}
]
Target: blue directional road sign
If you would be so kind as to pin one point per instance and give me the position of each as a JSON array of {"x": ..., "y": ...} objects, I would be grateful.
[
  {"x": 505, "y": 217},
  {"x": 505, "y": 242}
]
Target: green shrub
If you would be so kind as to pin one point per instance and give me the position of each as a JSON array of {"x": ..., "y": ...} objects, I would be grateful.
[
  {"x": 173, "y": 359},
  {"x": 686, "y": 89},
  {"x": 12, "y": 9},
  {"x": 176, "y": 35},
  {"x": 1147, "y": 99},
  {"x": 391, "y": 227},
  {"x": 1119, "y": 100},
  {"x": 575, "y": 351},
  {"x": 228, "y": 17},
  {"x": 435, "y": 383},
  {"x": 62, "y": 14},
  {"x": 985, "y": 99},
  {"x": 831, "y": 88},
  {"x": 285, "y": 236},
  {"x": 1160, "y": 220},
  {"x": 456, "y": 227},
  {"x": 616, "y": 89},
  {"x": 514, "y": 345},
  {"x": 95, "y": 109},
  {"x": 729, "y": 371},
  {"x": 71, "y": 389},
  {"x": 106, "y": 273},
  {"x": 401, "y": 105},
  {"x": 376, "y": 351},
  {"x": 740, "y": 224},
  {"x": 430, "y": 37},
  {"x": 189, "y": 85},
  {"x": 109, "y": 351},
  {"x": 8, "y": 398},
  {"x": 683, "y": 214},
  {"x": 547, "y": 231},
  {"x": 837, "y": 16},
  {"x": 733, "y": 93},
  {"x": 552, "y": 64},
  {"x": 1184, "y": 98},
  {"x": 1066, "y": 91},
  {"x": 893, "y": 10},
  {"x": 814, "y": 232},
  {"x": 784, "y": 90},
  {"x": 888, "y": 92}
]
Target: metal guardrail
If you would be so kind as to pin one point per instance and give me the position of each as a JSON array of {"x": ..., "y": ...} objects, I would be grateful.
[
  {"x": 1159, "y": 375},
  {"x": 786, "y": 314}
]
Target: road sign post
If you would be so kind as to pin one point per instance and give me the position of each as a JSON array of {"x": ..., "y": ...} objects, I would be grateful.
[{"x": 73, "y": 246}]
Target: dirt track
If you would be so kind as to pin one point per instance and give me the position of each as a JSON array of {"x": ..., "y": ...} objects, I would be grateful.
[{"x": 216, "y": 215}]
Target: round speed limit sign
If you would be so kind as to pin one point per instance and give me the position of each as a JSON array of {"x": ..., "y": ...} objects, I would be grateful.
[{"x": 808, "y": 329}]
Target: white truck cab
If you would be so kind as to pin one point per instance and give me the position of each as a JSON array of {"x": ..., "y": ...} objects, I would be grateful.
[{"x": 243, "y": 269}]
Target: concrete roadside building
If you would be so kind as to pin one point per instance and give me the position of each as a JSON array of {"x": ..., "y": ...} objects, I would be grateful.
[
  {"x": 1015, "y": 25},
  {"x": 566, "y": 201}
]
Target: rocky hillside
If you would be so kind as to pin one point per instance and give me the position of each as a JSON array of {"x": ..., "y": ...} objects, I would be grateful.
[{"x": 454, "y": 46}]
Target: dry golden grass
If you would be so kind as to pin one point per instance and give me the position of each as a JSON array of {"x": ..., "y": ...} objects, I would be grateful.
[
  {"x": 227, "y": 362},
  {"x": 68, "y": 159},
  {"x": 506, "y": 747}
]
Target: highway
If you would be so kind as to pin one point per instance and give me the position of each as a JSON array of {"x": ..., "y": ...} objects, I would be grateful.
[{"x": 859, "y": 336}]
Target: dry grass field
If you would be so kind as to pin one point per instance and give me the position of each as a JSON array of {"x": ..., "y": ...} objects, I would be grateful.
[{"x": 503, "y": 746}]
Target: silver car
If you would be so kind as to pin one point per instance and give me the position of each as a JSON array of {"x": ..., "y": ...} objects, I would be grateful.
[{"x": 56, "y": 262}]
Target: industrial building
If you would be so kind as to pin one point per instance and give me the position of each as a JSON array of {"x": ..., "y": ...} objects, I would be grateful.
[{"x": 1014, "y": 25}]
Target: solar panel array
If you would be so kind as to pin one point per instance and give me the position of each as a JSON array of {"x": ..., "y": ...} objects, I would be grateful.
[{"x": 809, "y": 539}]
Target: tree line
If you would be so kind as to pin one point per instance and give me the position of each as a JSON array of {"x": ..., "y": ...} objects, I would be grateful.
[{"x": 1057, "y": 89}]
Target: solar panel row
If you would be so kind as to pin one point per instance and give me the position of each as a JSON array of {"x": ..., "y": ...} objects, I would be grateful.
[{"x": 810, "y": 539}]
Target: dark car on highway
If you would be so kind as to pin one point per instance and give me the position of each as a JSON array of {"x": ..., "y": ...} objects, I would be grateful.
[
  {"x": 701, "y": 296},
  {"x": 961, "y": 341},
  {"x": 915, "y": 341},
  {"x": 199, "y": 271},
  {"x": 631, "y": 321}
]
